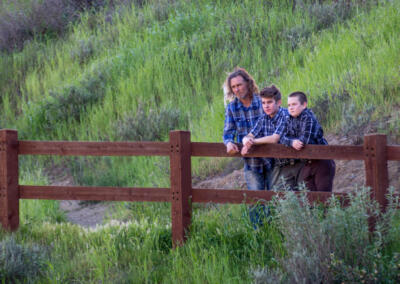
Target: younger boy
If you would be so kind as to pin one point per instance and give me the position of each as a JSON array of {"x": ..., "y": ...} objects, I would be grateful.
[{"x": 303, "y": 128}]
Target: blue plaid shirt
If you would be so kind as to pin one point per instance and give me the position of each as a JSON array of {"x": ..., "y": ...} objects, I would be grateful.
[
  {"x": 305, "y": 128},
  {"x": 267, "y": 126},
  {"x": 239, "y": 120}
]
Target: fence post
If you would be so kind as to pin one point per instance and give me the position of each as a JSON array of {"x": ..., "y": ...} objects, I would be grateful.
[
  {"x": 181, "y": 185},
  {"x": 376, "y": 170},
  {"x": 9, "y": 194}
]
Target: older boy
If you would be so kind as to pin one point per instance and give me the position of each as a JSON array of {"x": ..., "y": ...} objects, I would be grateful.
[
  {"x": 303, "y": 128},
  {"x": 269, "y": 128}
]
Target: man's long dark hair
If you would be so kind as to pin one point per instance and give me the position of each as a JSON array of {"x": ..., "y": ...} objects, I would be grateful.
[{"x": 253, "y": 88}]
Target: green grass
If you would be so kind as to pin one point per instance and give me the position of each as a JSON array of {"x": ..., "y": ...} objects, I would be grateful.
[
  {"x": 222, "y": 246},
  {"x": 37, "y": 211},
  {"x": 112, "y": 74},
  {"x": 98, "y": 80}
]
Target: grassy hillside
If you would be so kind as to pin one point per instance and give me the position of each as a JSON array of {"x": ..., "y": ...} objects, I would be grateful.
[{"x": 134, "y": 70}]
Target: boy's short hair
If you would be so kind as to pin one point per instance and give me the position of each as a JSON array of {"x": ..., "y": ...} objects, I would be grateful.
[
  {"x": 271, "y": 92},
  {"x": 300, "y": 95}
]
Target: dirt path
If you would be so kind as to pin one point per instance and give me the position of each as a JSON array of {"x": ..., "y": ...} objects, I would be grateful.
[{"x": 86, "y": 214}]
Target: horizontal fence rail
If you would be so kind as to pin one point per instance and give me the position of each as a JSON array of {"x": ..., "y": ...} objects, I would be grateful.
[
  {"x": 202, "y": 149},
  {"x": 393, "y": 153},
  {"x": 253, "y": 196},
  {"x": 68, "y": 148},
  {"x": 98, "y": 193},
  {"x": 375, "y": 152}
]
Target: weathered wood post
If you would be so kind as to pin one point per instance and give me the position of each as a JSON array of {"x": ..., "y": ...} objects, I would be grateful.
[
  {"x": 9, "y": 195},
  {"x": 376, "y": 169},
  {"x": 181, "y": 185}
]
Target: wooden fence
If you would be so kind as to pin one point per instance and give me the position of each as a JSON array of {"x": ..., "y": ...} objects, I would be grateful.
[{"x": 375, "y": 152}]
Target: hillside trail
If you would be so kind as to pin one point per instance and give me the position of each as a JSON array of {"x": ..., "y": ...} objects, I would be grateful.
[
  {"x": 349, "y": 176},
  {"x": 84, "y": 213}
]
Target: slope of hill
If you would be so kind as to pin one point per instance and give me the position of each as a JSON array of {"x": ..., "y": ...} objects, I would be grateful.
[
  {"x": 141, "y": 70},
  {"x": 136, "y": 69}
]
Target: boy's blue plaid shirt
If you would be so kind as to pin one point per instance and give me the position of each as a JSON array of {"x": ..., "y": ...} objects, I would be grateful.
[
  {"x": 305, "y": 128},
  {"x": 239, "y": 121},
  {"x": 267, "y": 126}
]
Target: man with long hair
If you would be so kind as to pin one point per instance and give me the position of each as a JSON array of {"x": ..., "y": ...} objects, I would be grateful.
[{"x": 241, "y": 115}]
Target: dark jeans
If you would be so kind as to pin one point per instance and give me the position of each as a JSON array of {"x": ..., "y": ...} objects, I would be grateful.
[
  {"x": 258, "y": 181},
  {"x": 318, "y": 175}
]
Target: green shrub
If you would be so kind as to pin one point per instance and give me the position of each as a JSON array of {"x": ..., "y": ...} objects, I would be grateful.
[
  {"x": 84, "y": 50},
  {"x": 333, "y": 244},
  {"x": 324, "y": 14},
  {"x": 25, "y": 20},
  {"x": 297, "y": 34},
  {"x": 327, "y": 14},
  {"x": 356, "y": 123},
  {"x": 322, "y": 104},
  {"x": 153, "y": 125},
  {"x": 21, "y": 263},
  {"x": 68, "y": 103},
  {"x": 161, "y": 8}
]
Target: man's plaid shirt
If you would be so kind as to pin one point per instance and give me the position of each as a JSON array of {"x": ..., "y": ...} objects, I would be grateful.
[
  {"x": 267, "y": 126},
  {"x": 305, "y": 128},
  {"x": 239, "y": 120}
]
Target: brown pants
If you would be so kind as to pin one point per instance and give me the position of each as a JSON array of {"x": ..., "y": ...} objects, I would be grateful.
[{"x": 318, "y": 175}]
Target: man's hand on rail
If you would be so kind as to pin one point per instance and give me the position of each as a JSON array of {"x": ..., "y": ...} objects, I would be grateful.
[{"x": 232, "y": 148}]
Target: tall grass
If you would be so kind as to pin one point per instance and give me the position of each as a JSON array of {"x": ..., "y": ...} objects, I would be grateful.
[
  {"x": 332, "y": 244},
  {"x": 165, "y": 61},
  {"x": 36, "y": 211},
  {"x": 301, "y": 242},
  {"x": 115, "y": 68}
]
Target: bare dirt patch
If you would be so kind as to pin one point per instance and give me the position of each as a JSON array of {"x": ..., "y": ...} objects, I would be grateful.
[{"x": 86, "y": 214}]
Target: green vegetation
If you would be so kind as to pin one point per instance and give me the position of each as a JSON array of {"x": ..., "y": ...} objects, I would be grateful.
[
  {"x": 332, "y": 244},
  {"x": 162, "y": 64},
  {"x": 300, "y": 242},
  {"x": 134, "y": 70}
]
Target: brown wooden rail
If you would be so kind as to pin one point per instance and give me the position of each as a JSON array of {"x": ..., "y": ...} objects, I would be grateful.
[{"x": 375, "y": 152}]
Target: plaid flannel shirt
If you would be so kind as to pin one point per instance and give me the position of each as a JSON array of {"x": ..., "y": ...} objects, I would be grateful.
[
  {"x": 239, "y": 120},
  {"x": 305, "y": 128},
  {"x": 267, "y": 126}
]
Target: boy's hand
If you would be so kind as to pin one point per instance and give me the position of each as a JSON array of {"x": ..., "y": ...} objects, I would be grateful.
[
  {"x": 231, "y": 148},
  {"x": 297, "y": 144},
  {"x": 248, "y": 141},
  {"x": 245, "y": 150}
]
